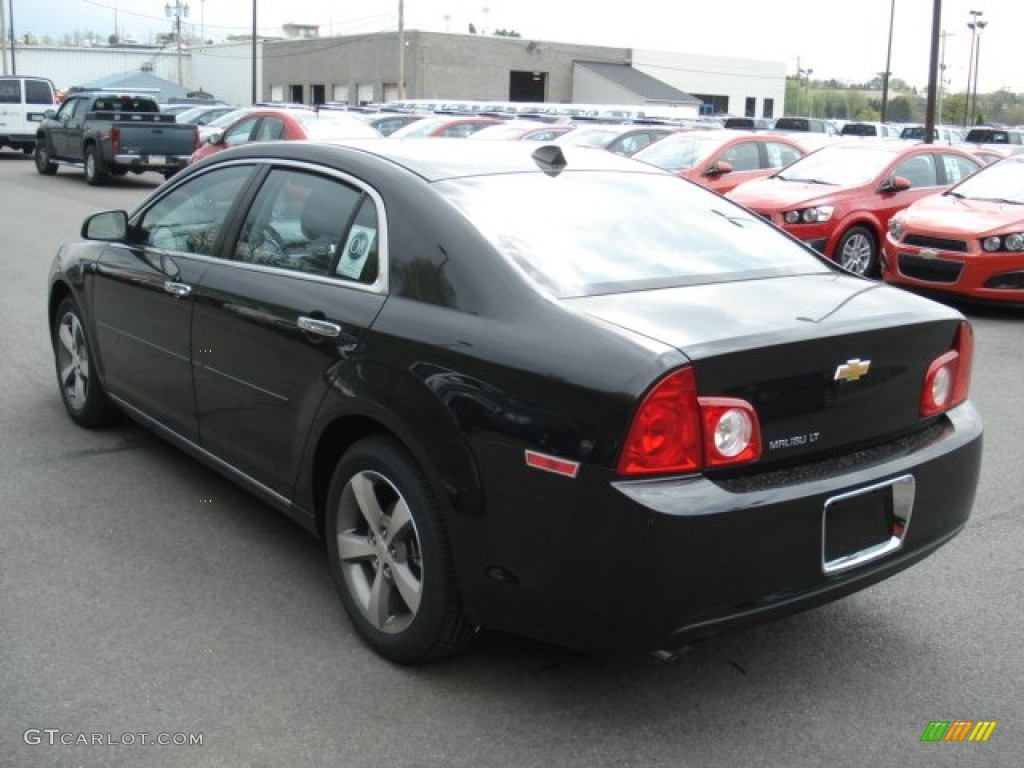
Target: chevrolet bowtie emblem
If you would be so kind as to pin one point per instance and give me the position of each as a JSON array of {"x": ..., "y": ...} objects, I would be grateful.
[{"x": 852, "y": 370}]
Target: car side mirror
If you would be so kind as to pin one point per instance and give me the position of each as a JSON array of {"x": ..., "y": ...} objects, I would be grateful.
[
  {"x": 217, "y": 137},
  {"x": 896, "y": 184},
  {"x": 109, "y": 226},
  {"x": 49, "y": 114},
  {"x": 718, "y": 168}
]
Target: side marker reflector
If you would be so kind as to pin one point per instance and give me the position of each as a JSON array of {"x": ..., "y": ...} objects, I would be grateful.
[{"x": 552, "y": 464}]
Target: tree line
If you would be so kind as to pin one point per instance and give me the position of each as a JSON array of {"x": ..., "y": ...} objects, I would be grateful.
[{"x": 863, "y": 101}]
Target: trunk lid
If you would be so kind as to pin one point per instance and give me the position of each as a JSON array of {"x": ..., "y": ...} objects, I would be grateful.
[{"x": 830, "y": 363}]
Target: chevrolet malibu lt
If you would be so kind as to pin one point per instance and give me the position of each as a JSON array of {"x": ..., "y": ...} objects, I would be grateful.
[{"x": 539, "y": 390}]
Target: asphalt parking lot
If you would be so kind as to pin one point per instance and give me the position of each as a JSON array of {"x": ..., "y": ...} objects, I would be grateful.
[{"x": 143, "y": 594}]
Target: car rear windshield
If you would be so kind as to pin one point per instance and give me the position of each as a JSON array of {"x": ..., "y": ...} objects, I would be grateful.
[{"x": 587, "y": 233}]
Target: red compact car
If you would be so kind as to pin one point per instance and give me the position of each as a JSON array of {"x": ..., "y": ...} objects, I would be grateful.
[
  {"x": 967, "y": 241},
  {"x": 721, "y": 160},
  {"x": 285, "y": 125},
  {"x": 444, "y": 127},
  {"x": 839, "y": 199}
]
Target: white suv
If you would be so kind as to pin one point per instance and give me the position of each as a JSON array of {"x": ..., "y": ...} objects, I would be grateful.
[{"x": 23, "y": 101}]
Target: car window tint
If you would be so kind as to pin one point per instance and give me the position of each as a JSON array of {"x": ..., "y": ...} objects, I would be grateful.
[
  {"x": 299, "y": 221},
  {"x": 271, "y": 129},
  {"x": 38, "y": 92},
  {"x": 240, "y": 133},
  {"x": 189, "y": 218},
  {"x": 919, "y": 171},
  {"x": 779, "y": 155},
  {"x": 681, "y": 234},
  {"x": 742, "y": 157},
  {"x": 957, "y": 168},
  {"x": 10, "y": 91}
]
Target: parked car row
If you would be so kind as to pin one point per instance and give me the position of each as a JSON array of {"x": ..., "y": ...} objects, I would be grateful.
[{"x": 836, "y": 194}]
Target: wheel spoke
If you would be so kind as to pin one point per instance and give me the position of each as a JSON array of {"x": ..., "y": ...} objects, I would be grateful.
[
  {"x": 408, "y": 585},
  {"x": 401, "y": 520},
  {"x": 67, "y": 374},
  {"x": 366, "y": 499},
  {"x": 353, "y": 548},
  {"x": 83, "y": 367},
  {"x": 80, "y": 385},
  {"x": 67, "y": 340},
  {"x": 377, "y": 608}
]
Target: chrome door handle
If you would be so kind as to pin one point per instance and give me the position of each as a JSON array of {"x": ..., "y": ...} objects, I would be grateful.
[
  {"x": 178, "y": 290},
  {"x": 320, "y": 327}
]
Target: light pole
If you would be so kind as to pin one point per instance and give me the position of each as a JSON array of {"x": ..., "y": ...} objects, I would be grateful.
[
  {"x": 888, "y": 60},
  {"x": 176, "y": 11},
  {"x": 977, "y": 54},
  {"x": 973, "y": 26},
  {"x": 807, "y": 89}
]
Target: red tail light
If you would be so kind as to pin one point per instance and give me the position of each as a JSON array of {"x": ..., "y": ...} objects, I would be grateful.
[
  {"x": 674, "y": 431},
  {"x": 948, "y": 380},
  {"x": 115, "y": 138}
]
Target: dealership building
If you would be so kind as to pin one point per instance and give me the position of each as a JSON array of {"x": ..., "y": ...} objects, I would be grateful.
[{"x": 359, "y": 69}]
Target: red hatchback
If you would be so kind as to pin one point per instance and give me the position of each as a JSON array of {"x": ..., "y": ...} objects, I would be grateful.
[
  {"x": 285, "y": 125},
  {"x": 839, "y": 199},
  {"x": 721, "y": 160},
  {"x": 968, "y": 241}
]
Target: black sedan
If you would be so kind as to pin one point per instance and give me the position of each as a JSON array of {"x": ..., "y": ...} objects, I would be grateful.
[{"x": 543, "y": 390}]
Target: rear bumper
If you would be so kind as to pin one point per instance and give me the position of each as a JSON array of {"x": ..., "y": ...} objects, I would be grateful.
[
  {"x": 660, "y": 563},
  {"x": 151, "y": 162}
]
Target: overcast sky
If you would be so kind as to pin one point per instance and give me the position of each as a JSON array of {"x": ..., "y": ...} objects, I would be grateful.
[{"x": 841, "y": 39}]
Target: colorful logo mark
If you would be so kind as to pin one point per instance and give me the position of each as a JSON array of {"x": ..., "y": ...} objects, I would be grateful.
[{"x": 958, "y": 730}]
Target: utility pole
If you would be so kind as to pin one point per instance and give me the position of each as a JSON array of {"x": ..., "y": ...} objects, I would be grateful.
[
  {"x": 3, "y": 37},
  {"x": 177, "y": 11},
  {"x": 10, "y": 27},
  {"x": 401, "y": 49}
]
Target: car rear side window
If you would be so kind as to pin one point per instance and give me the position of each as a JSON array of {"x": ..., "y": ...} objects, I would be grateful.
[
  {"x": 312, "y": 224},
  {"x": 38, "y": 92},
  {"x": 957, "y": 168},
  {"x": 586, "y": 233},
  {"x": 190, "y": 217}
]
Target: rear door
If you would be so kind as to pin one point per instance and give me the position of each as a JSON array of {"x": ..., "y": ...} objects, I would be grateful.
[{"x": 272, "y": 325}]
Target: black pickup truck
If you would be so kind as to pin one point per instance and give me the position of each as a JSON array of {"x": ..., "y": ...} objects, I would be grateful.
[{"x": 108, "y": 134}]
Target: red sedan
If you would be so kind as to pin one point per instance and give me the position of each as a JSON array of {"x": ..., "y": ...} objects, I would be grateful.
[
  {"x": 285, "y": 125},
  {"x": 839, "y": 199},
  {"x": 720, "y": 160},
  {"x": 968, "y": 241}
]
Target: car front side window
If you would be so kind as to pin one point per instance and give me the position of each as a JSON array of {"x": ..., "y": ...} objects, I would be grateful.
[{"x": 189, "y": 218}]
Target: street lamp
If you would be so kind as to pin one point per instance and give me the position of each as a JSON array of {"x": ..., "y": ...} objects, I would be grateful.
[
  {"x": 972, "y": 25},
  {"x": 888, "y": 60},
  {"x": 176, "y": 11},
  {"x": 977, "y": 54}
]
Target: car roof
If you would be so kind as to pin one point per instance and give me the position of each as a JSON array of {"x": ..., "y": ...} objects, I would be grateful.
[{"x": 437, "y": 159}]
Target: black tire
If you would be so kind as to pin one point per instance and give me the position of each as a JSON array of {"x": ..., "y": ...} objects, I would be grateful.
[
  {"x": 44, "y": 164},
  {"x": 857, "y": 251},
  {"x": 390, "y": 558},
  {"x": 95, "y": 173},
  {"x": 84, "y": 397}
]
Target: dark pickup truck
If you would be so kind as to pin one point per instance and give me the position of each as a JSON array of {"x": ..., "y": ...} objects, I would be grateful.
[{"x": 108, "y": 134}]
